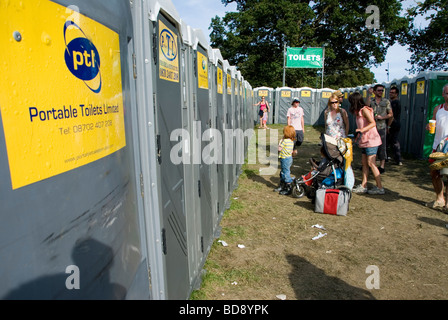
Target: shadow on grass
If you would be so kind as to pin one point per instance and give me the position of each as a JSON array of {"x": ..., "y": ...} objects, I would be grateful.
[{"x": 311, "y": 283}]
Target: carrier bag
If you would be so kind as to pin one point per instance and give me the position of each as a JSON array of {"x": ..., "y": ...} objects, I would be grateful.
[{"x": 332, "y": 201}]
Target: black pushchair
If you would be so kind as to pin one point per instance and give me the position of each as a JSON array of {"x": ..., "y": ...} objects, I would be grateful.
[{"x": 332, "y": 171}]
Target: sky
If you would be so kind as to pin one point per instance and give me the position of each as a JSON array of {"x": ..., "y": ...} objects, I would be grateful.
[{"x": 198, "y": 14}]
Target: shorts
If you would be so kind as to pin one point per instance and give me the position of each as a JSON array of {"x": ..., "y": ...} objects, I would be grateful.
[
  {"x": 260, "y": 113},
  {"x": 370, "y": 151},
  {"x": 299, "y": 139}
]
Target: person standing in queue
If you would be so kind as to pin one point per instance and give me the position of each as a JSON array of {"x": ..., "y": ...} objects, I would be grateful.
[
  {"x": 336, "y": 118},
  {"x": 369, "y": 141},
  {"x": 440, "y": 115},
  {"x": 295, "y": 118},
  {"x": 394, "y": 125},
  {"x": 382, "y": 111},
  {"x": 264, "y": 107}
]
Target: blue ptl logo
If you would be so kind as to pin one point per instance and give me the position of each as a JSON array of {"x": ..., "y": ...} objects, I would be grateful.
[
  {"x": 82, "y": 58},
  {"x": 168, "y": 44}
]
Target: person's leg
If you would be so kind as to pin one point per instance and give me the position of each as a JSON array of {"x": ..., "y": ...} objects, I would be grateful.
[
  {"x": 371, "y": 160},
  {"x": 365, "y": 170},
  {"x": 437, "y": 183},
  {"x": 382, "y": 155},
  {"x": 287, "y": 190},
  {"x": 288, "y": 164},
  {"x": 299, "y": 138},
  {"x": 396, "y": 146}
]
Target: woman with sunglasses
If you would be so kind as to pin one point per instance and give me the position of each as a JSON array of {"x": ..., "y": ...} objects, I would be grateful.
[{"x": 336, "y": 118}]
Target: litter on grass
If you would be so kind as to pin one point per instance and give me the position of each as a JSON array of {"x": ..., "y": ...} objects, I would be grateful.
[
  {"x": 320, "y": 235},
  {"x": 224, "y": 244}
]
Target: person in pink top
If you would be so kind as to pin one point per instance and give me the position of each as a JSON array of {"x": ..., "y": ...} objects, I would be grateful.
[
  {"x": 295, "y": 119},
  {"x": 262, "y": 112},
  {"x": 368, "y": 140}
]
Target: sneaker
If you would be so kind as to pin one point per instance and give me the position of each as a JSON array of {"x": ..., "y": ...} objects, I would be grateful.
[
  {"x": 381, "y": 170},
  {"x": 359, "y": 189},
  {"x": 376, "y": 190}
]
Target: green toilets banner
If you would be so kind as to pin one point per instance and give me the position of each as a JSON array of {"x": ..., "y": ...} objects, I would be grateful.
[{"x": 304, "y": 58}]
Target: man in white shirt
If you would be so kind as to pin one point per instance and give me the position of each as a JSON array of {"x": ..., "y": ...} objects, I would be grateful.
[{"x": 295, "y": 119}]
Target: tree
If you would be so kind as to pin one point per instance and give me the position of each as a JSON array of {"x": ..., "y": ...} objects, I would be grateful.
[
  {"x": 429, "y": 45},
  {"x": 253, "y": 39}
]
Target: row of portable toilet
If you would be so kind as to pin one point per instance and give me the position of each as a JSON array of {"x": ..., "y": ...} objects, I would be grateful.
[
  {"x": 313, "y": 101},
  {"x": 419, "y": 95},
  {"x": 118, "y": 162}
]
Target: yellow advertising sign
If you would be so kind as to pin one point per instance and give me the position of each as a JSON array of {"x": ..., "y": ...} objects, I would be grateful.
[
  {"x": 421, "y": 87},
  {"x": 168, "y": 54},
  {"x": 202, "y": 71},
  {"x": 306, "y": 93},
  {"x": 326, "y": 94},
  {"x": 404, "y": 89},
  {"x": 286, "y": 94},
  {"x": 61, "y": 100},
  {"x": 229, "y": 84},
  {"x": 262, "y": 93},
  {"x": 220, "y": 81}
]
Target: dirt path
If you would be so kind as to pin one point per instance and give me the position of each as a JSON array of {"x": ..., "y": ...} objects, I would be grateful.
[{"x": 391, "y": 242}]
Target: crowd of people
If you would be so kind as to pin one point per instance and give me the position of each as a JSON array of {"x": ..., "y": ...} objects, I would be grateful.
[{"x": 377, "y": 128}]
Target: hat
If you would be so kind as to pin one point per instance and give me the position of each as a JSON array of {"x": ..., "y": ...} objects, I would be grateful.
[
  {"x": 338, "y": 93},
  {"x": 295, "y": 100}
]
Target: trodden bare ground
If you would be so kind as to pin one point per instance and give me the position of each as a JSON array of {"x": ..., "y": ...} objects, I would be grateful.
[{"x": 406, "y": 242}]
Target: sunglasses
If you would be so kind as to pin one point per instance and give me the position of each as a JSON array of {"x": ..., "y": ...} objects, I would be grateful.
[{"x": 333, "y": 102}]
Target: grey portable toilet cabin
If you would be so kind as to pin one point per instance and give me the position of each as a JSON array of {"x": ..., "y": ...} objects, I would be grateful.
[
  {"x": 228, "y": 154},
  {"x": 321, "y": 104},
  {"x": 404, "y": 86},
  {"x": 192, "y": 145},
  {"x": 283, "y": 98},
  {"x": 364, "y": 90},
  {"x": 346, "y": 106},
  {"x": 71, "y": 206},
  {"x": 306, "y": 96},
  {"x": 206, "y": 168},
  {"x": 218, "y": 92},
  {"x": 233, "y": 126},
  {"x": 239, "y": 151},
  {"x": 426, "y": 94},
  {"x": 170, "y": 115}
]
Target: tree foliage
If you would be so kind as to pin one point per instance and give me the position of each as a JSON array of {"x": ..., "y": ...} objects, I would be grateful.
[
  {"x": 429, "y": 45},
  {"x": 253, "y": 39}
]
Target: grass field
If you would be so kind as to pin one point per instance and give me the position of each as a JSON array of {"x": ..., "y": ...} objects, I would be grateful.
[{"x": 387, "y": 247}]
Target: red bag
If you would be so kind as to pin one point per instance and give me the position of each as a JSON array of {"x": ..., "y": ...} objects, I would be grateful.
[{"x": 332, "y": 201}]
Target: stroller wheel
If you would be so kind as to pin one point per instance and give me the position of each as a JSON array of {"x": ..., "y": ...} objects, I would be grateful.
[{"x": 298, "y": 191}]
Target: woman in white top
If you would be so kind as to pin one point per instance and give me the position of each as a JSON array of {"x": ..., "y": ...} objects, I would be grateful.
[
  {"x": 336, "y": 119},
  {"x": 440, "y": 114}
]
